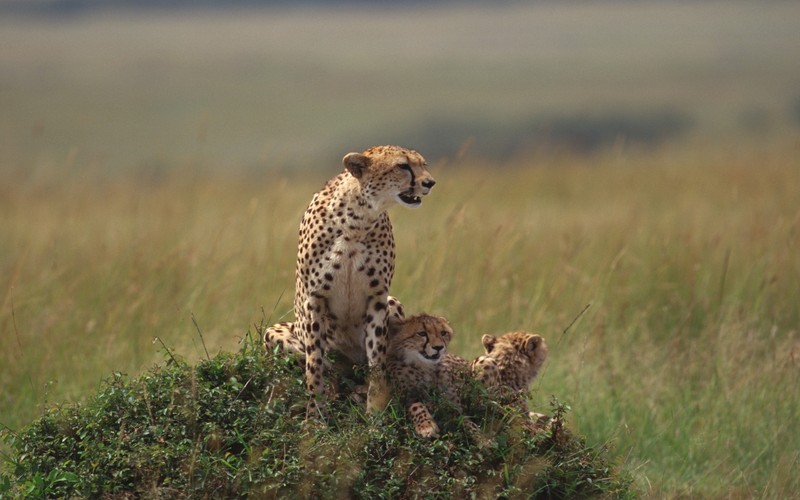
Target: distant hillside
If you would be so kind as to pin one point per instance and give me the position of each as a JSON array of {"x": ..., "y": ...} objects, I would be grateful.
[{"x": 145, "y": 83}]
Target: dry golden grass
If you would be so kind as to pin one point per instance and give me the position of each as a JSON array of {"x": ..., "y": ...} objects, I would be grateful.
[{"x": 687, "y": 360}]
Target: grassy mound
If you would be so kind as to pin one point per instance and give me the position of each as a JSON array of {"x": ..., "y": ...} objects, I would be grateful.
[{"x": 233, "y": 425}]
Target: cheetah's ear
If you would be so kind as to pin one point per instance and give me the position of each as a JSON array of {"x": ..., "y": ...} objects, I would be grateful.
[
  {"x": 533, "y": 342},
  {"x": 488, "y": 343},
  {"x": 356, "y": 164}
]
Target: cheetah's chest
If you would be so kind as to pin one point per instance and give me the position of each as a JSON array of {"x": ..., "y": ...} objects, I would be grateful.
[
  {"x": 349, "y": 293},
  {"x": 356, "y": 273}
]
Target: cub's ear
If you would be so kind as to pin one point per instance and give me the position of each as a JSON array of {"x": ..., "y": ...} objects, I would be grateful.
[
  {"x": 356, "y": 164},
  {"x": 533, "y": 342},
  {"x": 488, "y": 343}
]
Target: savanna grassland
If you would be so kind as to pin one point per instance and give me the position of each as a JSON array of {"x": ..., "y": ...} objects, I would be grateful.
[
  {"x": 154, "y": 168},
  {"x": 687, "y": 360}
]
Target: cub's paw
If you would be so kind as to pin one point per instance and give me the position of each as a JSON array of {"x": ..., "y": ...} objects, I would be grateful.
[
  {"x": 427, "y": 430},
  {"x": 424, "y": 424}
]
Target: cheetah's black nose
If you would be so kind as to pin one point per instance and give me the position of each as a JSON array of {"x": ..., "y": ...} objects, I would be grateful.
[{"x": 428, "y": 184}]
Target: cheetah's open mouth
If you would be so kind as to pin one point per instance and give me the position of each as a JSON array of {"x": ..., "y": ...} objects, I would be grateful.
[
  {"x": 433, "y": 357},
  {"x": 409, "y": 198}
]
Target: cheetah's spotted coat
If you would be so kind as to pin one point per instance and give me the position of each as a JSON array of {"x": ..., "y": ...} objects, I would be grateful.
[{"x": 345, "y": 264}]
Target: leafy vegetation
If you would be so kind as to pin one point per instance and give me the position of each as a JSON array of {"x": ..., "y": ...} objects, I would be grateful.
[{"x": 233, "y": 425}]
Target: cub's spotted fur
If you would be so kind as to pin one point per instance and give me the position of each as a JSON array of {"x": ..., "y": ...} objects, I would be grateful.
[
  {"x": 417, "y": 346},
  {"x": 418, "y": 362},
  {"x": 510, "y": 365}
]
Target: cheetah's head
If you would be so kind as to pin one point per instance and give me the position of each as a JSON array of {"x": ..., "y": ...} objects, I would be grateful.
[
  {"x": 520, "y": 355},
  {"x": 390, "y": 174},
  {"x": 420, "y": 339}
]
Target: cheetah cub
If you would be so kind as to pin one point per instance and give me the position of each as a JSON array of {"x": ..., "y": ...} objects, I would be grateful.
[
  {"x": 417, "y": 347},
  {"x": 510, "y": 365}
]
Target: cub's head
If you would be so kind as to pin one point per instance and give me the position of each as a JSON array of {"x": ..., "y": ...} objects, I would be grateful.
[
  {"x": 420, "y": 339},
  {"x": 390, "y": 174},
  {"x": 519, "y": 356}
]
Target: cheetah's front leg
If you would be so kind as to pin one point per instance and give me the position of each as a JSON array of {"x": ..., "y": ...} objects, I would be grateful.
[
  {"x": 311, "y": 325},
  {"x": 378, "y": 392}
]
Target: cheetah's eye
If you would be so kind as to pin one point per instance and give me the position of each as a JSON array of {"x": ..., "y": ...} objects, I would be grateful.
[
  {"x": 445, "y": 333},
  {"x": 422, "y": 334}
]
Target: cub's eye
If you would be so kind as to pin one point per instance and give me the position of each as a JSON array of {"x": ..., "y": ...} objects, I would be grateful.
[
  {"x": 445, "y": 333},
  {"x": 422, "y": 334},
  {"x": 404, "y": 166}
]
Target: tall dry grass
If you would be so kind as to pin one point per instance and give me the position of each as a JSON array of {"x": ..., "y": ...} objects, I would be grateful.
[
  {"x": 687, "y": 359},
  {"x": 92, "y": 272}
]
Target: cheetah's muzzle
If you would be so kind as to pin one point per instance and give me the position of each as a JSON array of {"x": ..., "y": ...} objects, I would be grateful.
[{"x": 409, "y": 198}]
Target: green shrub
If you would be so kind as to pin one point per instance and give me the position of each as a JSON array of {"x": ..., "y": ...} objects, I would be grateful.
[{"x": 233, "y": 425}]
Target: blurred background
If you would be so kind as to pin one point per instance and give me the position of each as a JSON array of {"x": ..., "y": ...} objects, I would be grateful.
[
  {"x": 639, "y": 157},
  {"x": 137, "y": 85}
]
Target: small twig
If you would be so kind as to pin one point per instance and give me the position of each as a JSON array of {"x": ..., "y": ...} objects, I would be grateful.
[
  {"x": 558, "y": 342},
  {"x": 271, "y": 393},
  {"x": 243, "y": 388},
  {"x": 166, "y": 349},
  {"x": 6, "y": 457},
  {"x": 14, "y": 322},
  {"x": 573, "y": 322},
  {"x": 259, "y": 327},
  {"x": 724, "y": 275},
  {"x": 275, "y": 306},
  {"x": 202, "y": 340},
  {"x": 16, "y": 334},
  {"x": 147, "y": 405},
  {"x": 267, "y": 320},
  {"x": 9, "y": 429}
]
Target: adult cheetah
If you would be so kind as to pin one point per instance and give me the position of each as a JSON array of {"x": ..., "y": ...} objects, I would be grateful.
[{"x": 345, "y": 264}]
